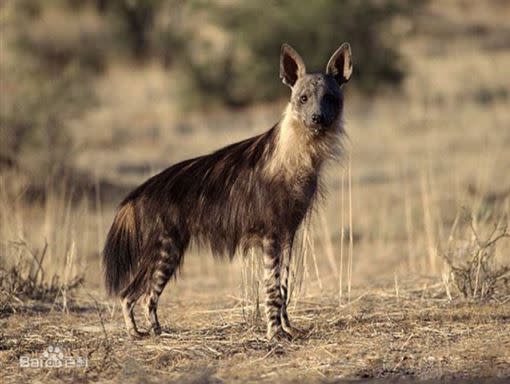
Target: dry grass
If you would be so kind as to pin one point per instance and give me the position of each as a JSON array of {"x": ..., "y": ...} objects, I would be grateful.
[
  {"x": 417, "y": 336},
  {"x": 27, "y": 280},
  {"x": 370, "y": 284}
]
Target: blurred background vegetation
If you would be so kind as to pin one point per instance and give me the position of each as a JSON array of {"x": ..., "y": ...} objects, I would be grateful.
[{"x": 226, "y": 55}]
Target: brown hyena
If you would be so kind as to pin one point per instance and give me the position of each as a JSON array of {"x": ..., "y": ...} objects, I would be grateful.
[{"x": 254, "y": 193}]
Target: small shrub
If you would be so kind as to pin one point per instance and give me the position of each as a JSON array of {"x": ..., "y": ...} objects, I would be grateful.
[
  {"x": 34, "y": 120},
  {"x": 473, "y": 268},
  {"x": 59, "y": 36}
]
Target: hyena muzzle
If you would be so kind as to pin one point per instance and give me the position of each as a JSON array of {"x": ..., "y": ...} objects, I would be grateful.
[{"x": 255, "y": 193}]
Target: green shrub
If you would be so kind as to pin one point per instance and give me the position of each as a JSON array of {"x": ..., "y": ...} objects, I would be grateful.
[
  {"x": 246, "y": 70},
  {"x": 45, "y": 84},
  {"x": 34, "y": 119}
]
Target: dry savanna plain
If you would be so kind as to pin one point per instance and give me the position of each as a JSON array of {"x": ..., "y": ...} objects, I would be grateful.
[{"x": 401, "y": 275}]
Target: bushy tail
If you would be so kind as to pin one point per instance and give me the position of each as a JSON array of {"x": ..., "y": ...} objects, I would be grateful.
[{"x": 122, "y": 250}]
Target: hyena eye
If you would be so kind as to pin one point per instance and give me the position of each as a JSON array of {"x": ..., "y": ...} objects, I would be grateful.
[{"x": 303, "y": 99}]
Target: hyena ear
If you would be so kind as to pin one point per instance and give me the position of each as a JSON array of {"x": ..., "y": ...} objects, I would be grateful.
[
  {"x": 340, "y": 65},
  {"x": 292, "y": 66}
]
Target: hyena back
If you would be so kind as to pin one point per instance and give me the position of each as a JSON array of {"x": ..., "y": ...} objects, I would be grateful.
[{"x": 254, "y": 193}]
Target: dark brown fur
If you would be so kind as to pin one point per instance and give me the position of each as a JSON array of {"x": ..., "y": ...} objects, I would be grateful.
[
  {"x": 224, "y": 200},
  {"x": 254, "y": 193}
]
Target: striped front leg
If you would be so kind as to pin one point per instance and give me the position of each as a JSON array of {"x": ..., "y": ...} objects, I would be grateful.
[
  {"x": 285, "y": 274},
  {"x": 274, "y": 302}
]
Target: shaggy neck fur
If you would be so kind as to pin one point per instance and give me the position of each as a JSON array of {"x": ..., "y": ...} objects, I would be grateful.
[{"x": 298, "y": 151}]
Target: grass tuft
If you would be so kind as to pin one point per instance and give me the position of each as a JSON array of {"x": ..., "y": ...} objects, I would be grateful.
[{"x": 26, "y": 280}]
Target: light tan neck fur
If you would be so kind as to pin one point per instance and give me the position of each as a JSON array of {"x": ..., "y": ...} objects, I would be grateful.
[{"x": 298, "y": 151}]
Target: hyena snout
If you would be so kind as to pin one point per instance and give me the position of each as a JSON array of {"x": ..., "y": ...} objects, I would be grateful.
[
  {"x": 317, "y": 119},
  {"x": 320, "y": 121},
  {"x": 318, "y": 101}
]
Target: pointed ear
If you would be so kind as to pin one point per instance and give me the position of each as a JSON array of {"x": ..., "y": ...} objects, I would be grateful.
[
  {"x": 340, "y": 65},
  {"x": 292, "y": 66}
]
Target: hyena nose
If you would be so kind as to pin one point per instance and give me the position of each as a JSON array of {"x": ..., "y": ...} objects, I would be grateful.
[{"x": 316, "y": 118}]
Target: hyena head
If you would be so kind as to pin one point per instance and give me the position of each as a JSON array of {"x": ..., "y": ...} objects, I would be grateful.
[{"x": 317, "y": 98}]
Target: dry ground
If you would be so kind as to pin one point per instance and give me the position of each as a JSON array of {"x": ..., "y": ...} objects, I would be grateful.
[{"x": 379, "y": 335}]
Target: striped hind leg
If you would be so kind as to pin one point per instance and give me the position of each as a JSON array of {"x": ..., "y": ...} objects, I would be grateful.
[
  {"x": 168, "y": 261},
  {"x": 274, "y": 302},
  {"x": 128, "y": 304},
  {"x": 129, "y": 296}
]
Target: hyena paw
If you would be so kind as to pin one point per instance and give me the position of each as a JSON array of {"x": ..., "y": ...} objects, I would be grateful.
[
  {"x": 294, "y": 331},
  {"x": 156, "y": 330},
  {"x": 279, "y": 334},
  {"x": 135, "y": 334}
]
